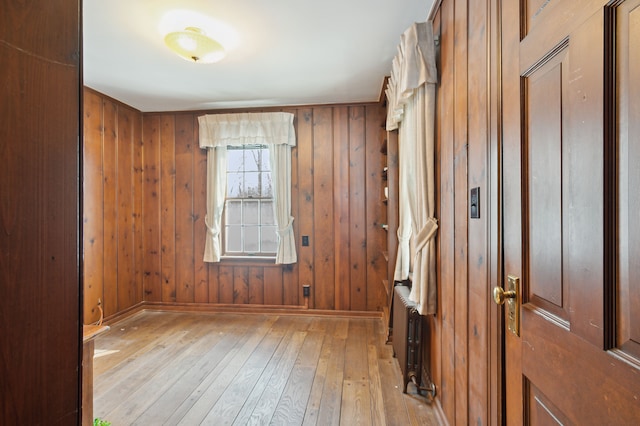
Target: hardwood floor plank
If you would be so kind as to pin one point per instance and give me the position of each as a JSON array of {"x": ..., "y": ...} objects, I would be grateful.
[
  {"x": 395, "y": 410},
  {"x": 254, "y": 398},
  {"x": 356, "y": 403},
  {"x": 315, "y": 397},
  {"x": 130, "y": 375},
  {"x": 375, "y": 384},
  {"x": 237, "y": 339},
  {"x": 292, "y": 404},
  {"x": 173, "y": 400},
  {"x": 265, "y": 408},
  {"x": 332, "y": 390},
  {"x": 164, "y": 377},
  {"x": 220, "y": 369},
  {"x": 355, "y": 363},
  {"x": 225, "y": 375},
  {"x": 227, "y": 408},
  {"x": 130, "y": 335}
]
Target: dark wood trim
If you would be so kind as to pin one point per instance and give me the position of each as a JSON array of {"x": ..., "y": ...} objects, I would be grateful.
[{"x": 610, "y": 179}]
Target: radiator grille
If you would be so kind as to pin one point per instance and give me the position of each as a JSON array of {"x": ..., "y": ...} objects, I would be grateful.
[{"x": 407, "y": 335}]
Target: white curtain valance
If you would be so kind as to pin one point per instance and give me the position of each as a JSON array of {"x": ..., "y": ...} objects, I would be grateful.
[
  {"x": 413, "y": 66},
  {"x": 268, "y": 128}
]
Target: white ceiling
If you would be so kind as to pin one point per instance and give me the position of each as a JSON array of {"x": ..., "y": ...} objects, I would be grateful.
[{"x": 279, "y": 52}]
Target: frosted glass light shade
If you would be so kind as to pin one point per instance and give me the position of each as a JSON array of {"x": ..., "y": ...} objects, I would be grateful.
[{"x": 194, "y": 45}]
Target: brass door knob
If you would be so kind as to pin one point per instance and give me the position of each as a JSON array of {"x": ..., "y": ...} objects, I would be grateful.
[{"x": 499, "y": 295}]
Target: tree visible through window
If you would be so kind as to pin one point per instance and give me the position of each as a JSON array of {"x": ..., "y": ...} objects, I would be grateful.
[{"x": 249, "y": 222}]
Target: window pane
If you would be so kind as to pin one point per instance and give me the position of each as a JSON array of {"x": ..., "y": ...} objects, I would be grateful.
[
  {"x": 269, "y": 239},
  {"x": 266, "y": 165},
  {"x": 251, "y": 159},
  {"x": 251, "y": 239},
  {"x": 267, "y": 186},
  {"x": 251, "y": 212},
  {"x": 233, "y": 212},
  {"x": 234, "y": 185},
  {"x": 235, "y": 160},
  {"x": 233, "y": 240},
  {"x": 251, "y": 182},
  {"x": 266, "y": 213}
]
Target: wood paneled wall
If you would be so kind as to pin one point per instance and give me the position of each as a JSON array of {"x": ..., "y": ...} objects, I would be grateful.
[
  {"x": 151, "y": 163},
  {"x": 463, "y": 337},
  {"x": 112, "y": 201},
  {"x": 336, "y": 202}
]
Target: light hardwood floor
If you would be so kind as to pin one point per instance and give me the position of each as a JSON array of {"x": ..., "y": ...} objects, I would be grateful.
[{"x": 220, "y": 369}]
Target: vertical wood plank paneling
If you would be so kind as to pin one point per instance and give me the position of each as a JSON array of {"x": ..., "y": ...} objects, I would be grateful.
[
  {"x": 256, "y": 285},
  {"x": 172, "y": 202},
  {"x": 241, "y": 285},
  {"x": 168, "y": 207},
  {"x": 138, "y": 195},
  {"x": 306, "y": 201},
  {"x": 113, "y": 197},
  {"x": 125, "y": 238},
  {"x": 93, "y": 207},
  {"x": 446, "y": 228},
  {"x": 201, "y": 270},
  {"x": 289, "y": 287},
  {"x": 110, "y": 174},
  {"x": 460, "y": 171},
  {"x": 478, "y": 306},
  {"x": 375, "y": 235},
  {"x": 151, "y": 210},
  {"x": 324, "y": 256},
  {"x": 184, "y": 208},
  {"x": 341, "y": 197},
  {"x": 225, "y": 284},
  {"x": 273, "y": 285},
  {"x": 357, "y": 209}
]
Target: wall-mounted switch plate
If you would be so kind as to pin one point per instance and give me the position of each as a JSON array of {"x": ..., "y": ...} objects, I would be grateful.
[
  {"x": 474, "y": 203},
  {"x": 305, "y": 240}
]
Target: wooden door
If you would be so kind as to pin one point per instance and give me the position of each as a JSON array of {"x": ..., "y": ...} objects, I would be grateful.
[{"x": 571, "y": 97}]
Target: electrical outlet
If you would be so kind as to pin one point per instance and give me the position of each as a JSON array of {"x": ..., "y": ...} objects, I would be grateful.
[{"x": 306, "y": 290}]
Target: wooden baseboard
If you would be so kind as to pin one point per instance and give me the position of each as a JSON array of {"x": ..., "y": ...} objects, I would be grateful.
[{"x": 237, "y": 309}]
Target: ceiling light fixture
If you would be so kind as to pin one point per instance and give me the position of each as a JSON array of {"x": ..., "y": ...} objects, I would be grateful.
[{"x": 194, "y": 45}]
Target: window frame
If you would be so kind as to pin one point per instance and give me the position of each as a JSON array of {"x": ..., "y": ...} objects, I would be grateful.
[{"x": 240, "y": 255}]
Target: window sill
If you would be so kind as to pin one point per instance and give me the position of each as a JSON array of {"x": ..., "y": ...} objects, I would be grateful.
[{"x": 248, "y": 259}]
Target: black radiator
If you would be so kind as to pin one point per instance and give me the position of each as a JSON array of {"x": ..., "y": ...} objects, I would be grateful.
[{"x": 407, "y": 339}]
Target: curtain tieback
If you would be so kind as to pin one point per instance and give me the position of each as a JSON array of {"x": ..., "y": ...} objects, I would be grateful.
[
  {"x": 427, "y": 233},
  {"x": 287, "y": 229},
  {"x": 402, "y": 237}
]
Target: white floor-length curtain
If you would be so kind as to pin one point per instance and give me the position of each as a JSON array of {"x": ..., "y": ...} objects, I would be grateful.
[
  {"x": 216, "y": 191},
  {"x": 274, "y": 129},
  {"x": 411, "y": 96},
  {"x": 280, "y": 156}
]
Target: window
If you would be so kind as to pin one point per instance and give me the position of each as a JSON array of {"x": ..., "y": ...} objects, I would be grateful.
[{"x": 249, "y": 226}]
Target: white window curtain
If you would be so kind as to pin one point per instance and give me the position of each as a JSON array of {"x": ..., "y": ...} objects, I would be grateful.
[
  {"x": 411, "y": 99},
  {"x": 275, "y": 129}
]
